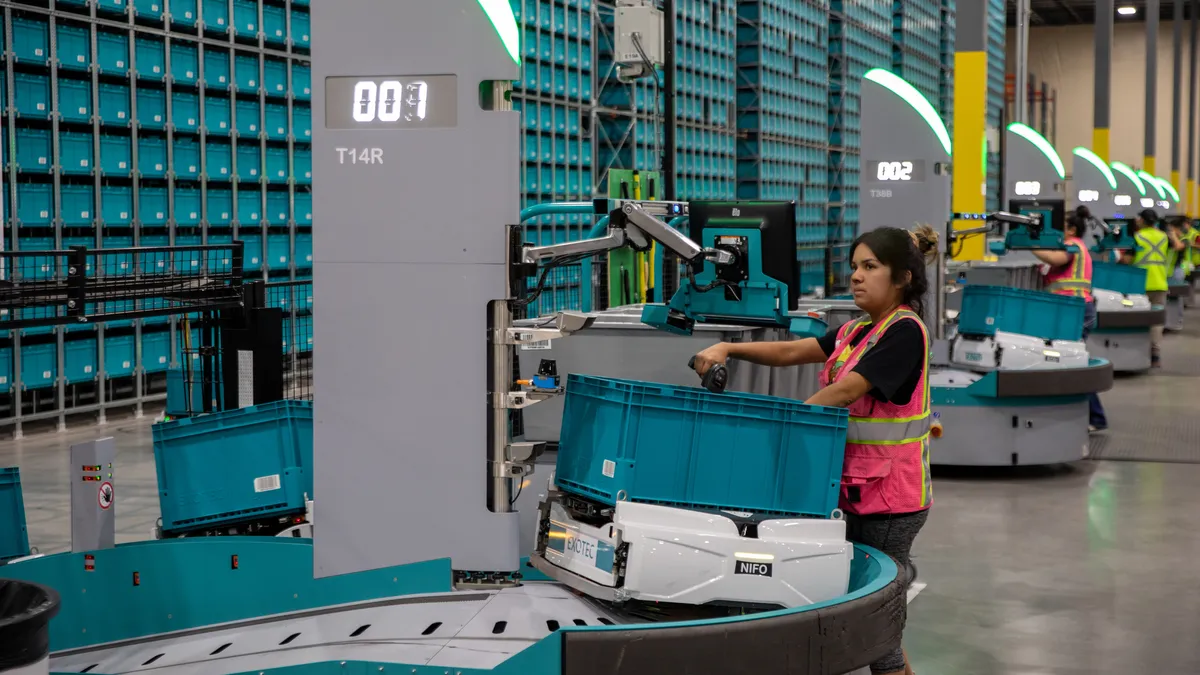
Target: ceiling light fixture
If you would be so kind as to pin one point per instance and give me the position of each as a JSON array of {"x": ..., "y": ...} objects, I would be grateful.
[{"x": 1127, "y": 10}]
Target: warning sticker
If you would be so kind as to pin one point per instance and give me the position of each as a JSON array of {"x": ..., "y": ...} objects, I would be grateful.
[
  {"x": 105, "y": 495},
  {"x": 610, "y": 468},
  {"x": 266, "y": 483}
]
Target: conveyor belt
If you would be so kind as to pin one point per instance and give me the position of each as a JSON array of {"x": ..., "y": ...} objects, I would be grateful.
[{"x": 1152, "y": 417}]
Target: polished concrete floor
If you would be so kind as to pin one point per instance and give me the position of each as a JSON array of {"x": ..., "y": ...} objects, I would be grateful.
[{"x": 1071, "y": 570}]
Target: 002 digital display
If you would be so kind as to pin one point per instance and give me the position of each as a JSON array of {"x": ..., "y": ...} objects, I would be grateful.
[
  {"x": 898, "y": 171},
  {"x": 392, "y": 102}
]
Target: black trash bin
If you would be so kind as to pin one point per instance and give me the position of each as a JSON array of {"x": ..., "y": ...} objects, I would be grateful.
[{"x": 25, "y": 613}]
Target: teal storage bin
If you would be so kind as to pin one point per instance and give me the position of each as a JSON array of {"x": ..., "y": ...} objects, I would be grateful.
[
  {"x": 300, "y": 29},
  {"x": 217, "y": 115},
  {"x": 303, "y": 163},
  {"x": 304, "y": 250},
  {"x": 220, "y": 161},
  {"x": 248, "y": 119},
  {"x": 220, "y": 208},
  {"x": 223, "y": 260},
  {"x": 216, "y": 68},
  {"x": 151, "y": 60},
  {"x": 34, "y": 152},
  {"x": 277, "y": 122},
  {"x": 303, "y": 208},
  {"x": 39, "y": 366},
  {"x": 152, "y": 206},
  {"x": 301, "y": 81},
  {"x": 1118, "y": 278},
  {"x": 249, "y": 163},
  {"x": 185, "y": 63},
  {"x": 275, "y": 24},
  {"x": 277, "y": 165},
  {"x": 31, "y": 39},
  {"x": 119, "y": 356},
  {"x": 14, "y": 537},
  {"x": 117, "y": 207},
  {"x": 32, "y": 95},
  {"x": 35, "y": 207},
  {"x": 987, "y": 309},
  {"x": 156, "y": 351},
  {"x": 187, "y": 158},
  {"x": 78, "y": 202},
  {"x": 74, "y": 100},
  {"x": 265, "y": 457},
  {"x": 185, "y": 112},
  {"x": 302, "y": 123},
  {"x": 185, "y": 12},
  {"x": 249, "y": 208},
  {"x": 663, "y": 444},
  {"x": 216, "y": 15},
  {"x": 149, "y": 9},
  {"x": 74, "y": 46},
  {"x": 112, "y": 50},
  {"x": 278, "y": 206},
  {"x": 115, "y": 109},
  {"x": 245, "y": 18},
  {"x": 111, "y": 6},
  {"x": 279, "y": 251},
  {"x": 275, "y": 75},
  {"x": 116, "y": 156},
  {"x": 245, "y": 73},
  {"x": 42, "y": 267},
  {"x": 252, "y": 251},
  {"x": 79, "y": 359},
  {"x": 152, "y": 108},
  {"x": 187, "y": 209},
  {"x": 75, "y": 153},
  {"x": 152, "y": 156}
]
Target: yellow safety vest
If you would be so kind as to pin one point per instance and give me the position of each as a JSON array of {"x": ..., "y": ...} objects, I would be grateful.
[
  {"x": 1192, "y": 238},
  {"x": 1151, "y": 256}
]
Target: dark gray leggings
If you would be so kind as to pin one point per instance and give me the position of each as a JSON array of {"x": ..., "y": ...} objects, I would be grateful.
[{"x": 894, "y": 536}]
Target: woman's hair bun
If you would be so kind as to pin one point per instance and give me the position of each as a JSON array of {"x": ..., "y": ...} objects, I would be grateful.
[{"x": 926, "y": 240}]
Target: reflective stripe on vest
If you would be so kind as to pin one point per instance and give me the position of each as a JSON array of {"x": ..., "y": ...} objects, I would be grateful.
[
  {"x": 1150, "y": 253},
  {"x": 1077, "y": 282},
  {"x": 873, "y": 431}
]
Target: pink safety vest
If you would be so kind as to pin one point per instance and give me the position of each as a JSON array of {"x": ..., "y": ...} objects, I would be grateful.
[
  {"x": 887, "y": 445},
  {"x": 1075, "y": 279}
]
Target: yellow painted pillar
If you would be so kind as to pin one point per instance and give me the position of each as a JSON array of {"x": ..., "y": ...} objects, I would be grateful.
[{"x": 970, "y": 124}]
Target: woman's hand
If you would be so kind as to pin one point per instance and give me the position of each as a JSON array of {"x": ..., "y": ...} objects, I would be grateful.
[{"x": 714, "y": 355}]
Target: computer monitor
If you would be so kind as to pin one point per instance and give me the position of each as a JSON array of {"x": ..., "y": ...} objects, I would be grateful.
[
  {"x": 776, "y": 223},
  {"x": 1053, "y": 212}
]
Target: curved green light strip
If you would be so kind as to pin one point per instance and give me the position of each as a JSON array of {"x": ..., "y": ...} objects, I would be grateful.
[
  {"x": 914, "y": 98},
  {"x": 500, "y": 13},
  {"x": 1147, "y": 178},
  {"x": 1170, "y": 189},
  {"x": 1025, "y": 131},
  {"x": 1137, "y": 182},
  {"x": 1095, "y": 161}
]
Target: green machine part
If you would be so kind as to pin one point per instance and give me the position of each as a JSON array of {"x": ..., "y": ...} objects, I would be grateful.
[{"x": 631, "y": 274}]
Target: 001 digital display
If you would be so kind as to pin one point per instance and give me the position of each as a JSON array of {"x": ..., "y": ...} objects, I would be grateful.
[
  {"x": 900, "y": 171},
  {"x": 392, "y": 102}
]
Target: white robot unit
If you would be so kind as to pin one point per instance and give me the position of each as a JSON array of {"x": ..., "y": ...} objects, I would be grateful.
[
  {"x": 1011, "y": 351},
  {"x": 653, "y": 553}
]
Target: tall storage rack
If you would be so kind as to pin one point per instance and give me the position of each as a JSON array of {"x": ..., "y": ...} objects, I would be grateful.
[
  {"x": 151, "y": 123},
  {"x": 996, "y": 32}
]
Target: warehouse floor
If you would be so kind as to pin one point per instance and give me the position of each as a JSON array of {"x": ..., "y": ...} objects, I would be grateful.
[{"x": 1025, "y": 568}]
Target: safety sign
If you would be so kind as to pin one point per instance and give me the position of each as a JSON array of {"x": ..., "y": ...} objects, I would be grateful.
[{"x": 105, "y": 495}]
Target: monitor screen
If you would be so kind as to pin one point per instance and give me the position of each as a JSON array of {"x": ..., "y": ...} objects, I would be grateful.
[{"x": 775, "y": 220}]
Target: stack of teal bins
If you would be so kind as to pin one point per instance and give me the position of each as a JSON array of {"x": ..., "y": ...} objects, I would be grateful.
[{"x": 146, "y": 124}]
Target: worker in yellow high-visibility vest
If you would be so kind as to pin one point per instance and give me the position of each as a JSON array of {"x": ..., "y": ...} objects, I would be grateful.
[{"x": 1150, "y": 253}]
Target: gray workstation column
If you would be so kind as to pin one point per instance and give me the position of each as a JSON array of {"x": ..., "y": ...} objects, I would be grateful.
[
  {"x": 1176, "y": 93},
  {"x": 1104, "y": 36},
  {"x": 1151, "y": 85}
]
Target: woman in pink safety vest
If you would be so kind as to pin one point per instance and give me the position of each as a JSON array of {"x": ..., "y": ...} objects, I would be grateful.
[
  {"x": 878, "y": 368},
  {"x": 1070, "y": 274}
]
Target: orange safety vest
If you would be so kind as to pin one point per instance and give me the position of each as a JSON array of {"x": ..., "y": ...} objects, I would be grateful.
[
  {"x": 1074, "y": 279},
  {"x": 886, "y": 467}
]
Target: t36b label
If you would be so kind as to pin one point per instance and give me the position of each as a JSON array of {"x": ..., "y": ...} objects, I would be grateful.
[{"x": 760, "y": 569}]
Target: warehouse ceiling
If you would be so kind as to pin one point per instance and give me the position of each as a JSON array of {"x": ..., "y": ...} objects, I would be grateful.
[{"x": 1068, "y": 12}]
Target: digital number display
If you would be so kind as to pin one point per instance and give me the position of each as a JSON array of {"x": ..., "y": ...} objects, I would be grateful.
[
  {"x": 1089, "y": 195},
  {"x": 1122, "y": 200},
  {"x": 902, "y": 171},
  {"x": 1147, "y": 203},
  {"x": 1028, "y": 188},
  {"x": 394, "y": 102}
]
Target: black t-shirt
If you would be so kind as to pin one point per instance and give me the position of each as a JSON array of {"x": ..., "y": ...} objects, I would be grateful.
[{"x": 893, "y": 366}]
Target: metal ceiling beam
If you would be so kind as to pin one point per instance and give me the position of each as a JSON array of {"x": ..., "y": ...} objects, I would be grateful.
[{"x": 1070, "y": 10}]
